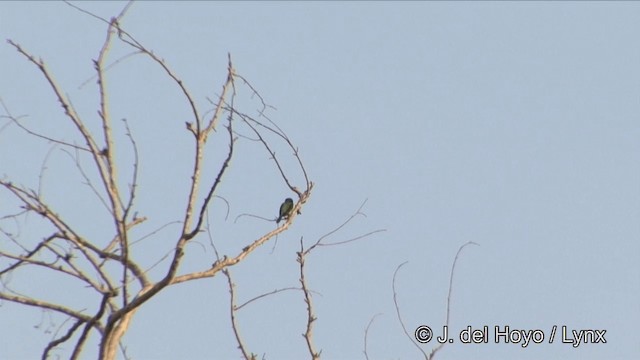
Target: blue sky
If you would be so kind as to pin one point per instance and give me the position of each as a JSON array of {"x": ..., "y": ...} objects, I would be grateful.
[{"x": 513, "y": 125}]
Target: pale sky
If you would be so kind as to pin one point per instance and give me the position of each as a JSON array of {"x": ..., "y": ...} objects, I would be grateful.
[{"x": 513, "y": 125}]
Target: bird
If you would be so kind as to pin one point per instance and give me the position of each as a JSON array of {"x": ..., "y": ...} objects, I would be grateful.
[{"x": 285, "y": 209}]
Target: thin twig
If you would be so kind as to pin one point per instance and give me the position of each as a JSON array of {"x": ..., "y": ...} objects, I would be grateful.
[
  {"x": 453, "y": 267},
  {"x": 353, "y": 239},
  {"x": 366, "y": 333},
  {"x": 265, "y": 295},
  {"x": 88, "y": 181},
  {"x": 356, "y": 213},
  {"x": 280, "y": 133},
  {"x": 224, "y": 166},
  {"x": 30, "y": 132},
  {"x": 61, "y": 340},
  {"x": 395, "y": 302}
]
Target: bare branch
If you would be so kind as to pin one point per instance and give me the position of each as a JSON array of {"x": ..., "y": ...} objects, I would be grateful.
[
  {"x": 269, "y": 150},
  {"x": 453, "y": 267},
  {"x": 43, "y": 169},
  {"x": 33, "y": 203},
  {"x": 311, "y": 318},
  {"x": 231, "y": 261},
  {"x": 88, "y": 182},
  {"x": 256, "y": 93},
  {"x": 54, "y": 266},
  {"x": 85, "y": 332},
  {"x": 66, "y": 105},
  {"x": 280, "y": 133},
  {"x": 353, "y": 239},
  {"x": 28, "y": 255},
  {"x": 366, "y": 333},
  {"x": 154, "y": 232},
  {"x": 33, "y": 133},
  {"x": 265, "y": 295},
  {"x": 130, "y": 40},
  {"x": 110, "y": 172},
  {"x": 61, "y": 340},
  {"x": 232, "y": 312},
  {"x": 224, "y": 166},
  {"x": 134, "y": 180},
  {"x": 357, "y": 213},
  {"x": 123, "y": 221},
  {"x": 395, "y": 302},
  {"x": 44, "y": 305},
  {"x": 112, "y": 65}
]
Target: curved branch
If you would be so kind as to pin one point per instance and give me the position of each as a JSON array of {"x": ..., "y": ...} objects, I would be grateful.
[
  {"x": 38, "y": 135},
  {"x": 366, "y": 333},
  {"x": 265, "y": 295},
  {"x": 453, "y": 267},
  {"x": 44, "y": 305},
  {"x": 395, "y": 302}
]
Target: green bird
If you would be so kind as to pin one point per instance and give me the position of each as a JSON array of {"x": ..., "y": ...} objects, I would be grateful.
[{"x": 285, "y": 209}]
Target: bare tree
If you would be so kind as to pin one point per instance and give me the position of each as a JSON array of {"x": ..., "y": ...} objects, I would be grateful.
[
  {"x": 120, "y": 281},
  {"x": 109, "y": 268}
]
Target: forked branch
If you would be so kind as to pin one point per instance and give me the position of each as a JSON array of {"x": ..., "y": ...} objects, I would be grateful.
[{"x": 397, "y": 306}]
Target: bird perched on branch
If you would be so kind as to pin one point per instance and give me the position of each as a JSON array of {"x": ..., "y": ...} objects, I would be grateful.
[{"x": 285, "y": 210}]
